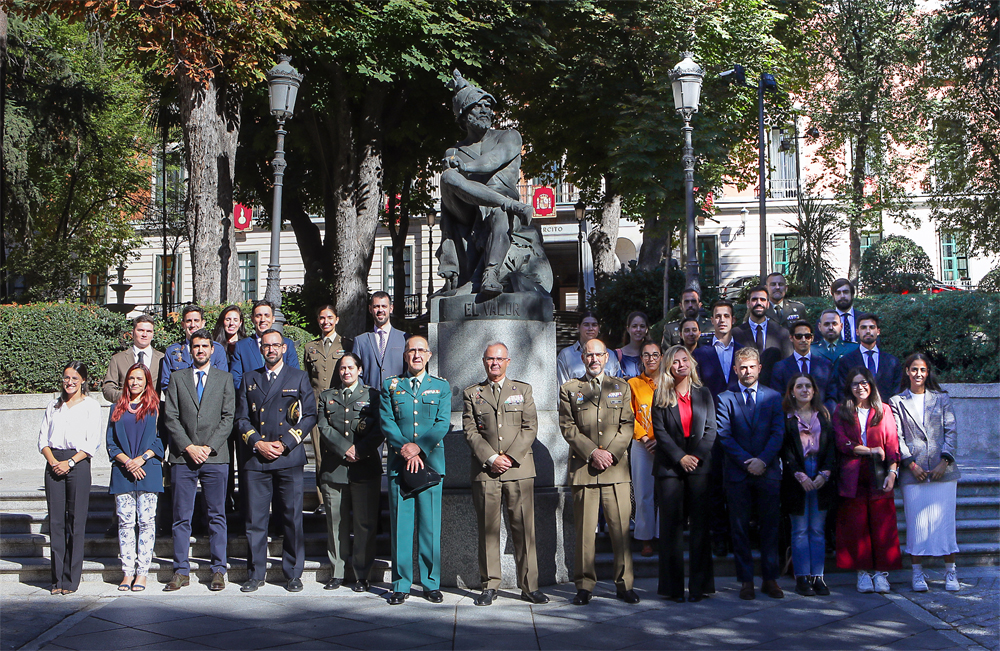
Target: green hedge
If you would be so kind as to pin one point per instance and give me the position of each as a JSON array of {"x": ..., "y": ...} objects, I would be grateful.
[{"x": 41, "y": 337}]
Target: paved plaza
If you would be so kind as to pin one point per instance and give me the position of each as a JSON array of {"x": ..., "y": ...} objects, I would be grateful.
[{"x": 98, "y": 617}]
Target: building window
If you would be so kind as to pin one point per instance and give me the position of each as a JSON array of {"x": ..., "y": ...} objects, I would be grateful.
[
  {"x": 868, "y": 240},
  {"x": 248, "y": 274},
  {"x": 954, "y": 261},
  {"x": 167, "y": 267},
  {"x": 94, "y": 288},
  {"x": 784, "y": 172},
  {"x": 388, "y": 282},
  {"x": 708, "y": 260},
  {"x": 784, "y": 251}
]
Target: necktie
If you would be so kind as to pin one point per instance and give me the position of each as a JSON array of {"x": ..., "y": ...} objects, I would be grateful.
[
  {"x": 870, "y": 362},
  {"x": 805, "y": 364},
  {"x": 848, "y": 331},
  {"x": 201, "y": 385},
  {"x": 141, "y": 360},
  {"x": 270, "y": 377},
  {"x": 778, "y": 311},
  {"x": 327, "y": 345},
  {"x": 381, "y": 343},
  {"x": 749, "y": 398},
  {"x": 415, "y": 383},
  {"x": 496, "y": 392},
  {"x": 758, "y": 337}
]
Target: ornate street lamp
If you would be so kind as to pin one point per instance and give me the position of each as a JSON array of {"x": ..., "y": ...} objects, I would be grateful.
[
  {"x": 283, "y": 85},
  {"x": 431, "y": 218},
  {"x": 685, "y": 80},
  {"x": 580, "y": 212}
]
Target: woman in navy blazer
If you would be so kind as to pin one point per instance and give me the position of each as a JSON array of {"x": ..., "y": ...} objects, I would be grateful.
[
  {"x": 683, "y": 421},
  {"x": 135, "y": 448}
]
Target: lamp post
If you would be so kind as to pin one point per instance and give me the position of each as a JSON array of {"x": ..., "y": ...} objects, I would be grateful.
[
  {"x": 283, "y": 85},
  {"x": 685, "y": 80},
  {"x": 431, "y": 217},
  {"x": 580, "y": 211}
]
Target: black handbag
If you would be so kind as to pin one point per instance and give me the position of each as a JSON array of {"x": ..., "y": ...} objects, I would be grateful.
[{"x": 880, "y": 470}]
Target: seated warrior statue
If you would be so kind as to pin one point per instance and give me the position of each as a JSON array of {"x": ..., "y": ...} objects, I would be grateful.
[{"x": 488, "y": 245}]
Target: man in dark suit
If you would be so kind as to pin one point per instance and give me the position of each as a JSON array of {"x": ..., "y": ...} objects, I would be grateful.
[
  {"x": 247, "y": 352},
  {"x": 198, "y": 413},
  {"x": 751, "y": 425},
  {"x": 886, "y": 368},
  {"x": 276, "y": 411},
  {"x": 830, "y": 344},
  {"x": 381, "y": 350},
  {"x": 767, "y": 336},
  {"x": 803, "y": 360},
  {"x": 140, "y": 352},
  {"x": 782, "y": 311},
  {"x": 178, "y": 356},
  {"x": 715, "y": 367},
  {"x": 842, "y": 292}
]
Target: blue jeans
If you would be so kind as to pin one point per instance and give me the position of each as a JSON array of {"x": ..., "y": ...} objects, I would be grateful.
[{"x": 808, "y": 535}]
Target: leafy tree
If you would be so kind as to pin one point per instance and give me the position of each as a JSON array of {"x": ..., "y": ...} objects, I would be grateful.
[
  {"x": 963, "y": 77},
  {"x": 862, "y": 61},
  {"x": 896, "y": 265},
  {"x": 75, "y": 153},
  {"x": 210, "y": 50},
  {"x": 991, "y": 282},
  {"x": 818, "y": 227}
]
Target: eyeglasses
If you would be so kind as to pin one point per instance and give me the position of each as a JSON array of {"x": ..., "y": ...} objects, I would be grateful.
[
  {"x": 803, "y": 335},
  {"x": 651, "y": 355},
  {"x": 271, "y": 346},
  {"x": 418, "y": 350},
  {"x": 495, "y": 359},
  {"x": 862, "y": 383}
]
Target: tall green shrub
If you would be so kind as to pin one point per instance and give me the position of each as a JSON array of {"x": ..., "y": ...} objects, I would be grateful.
[{"x": 896, "y": 265}]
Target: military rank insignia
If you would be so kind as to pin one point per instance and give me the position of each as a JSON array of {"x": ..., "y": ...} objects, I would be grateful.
[
  {"x": 295, "y": 412},
  {"x": 516, "y": 399}
]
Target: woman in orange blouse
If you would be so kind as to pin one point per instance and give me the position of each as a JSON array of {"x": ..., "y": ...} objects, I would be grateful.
[{"x": 641, "y": 456}]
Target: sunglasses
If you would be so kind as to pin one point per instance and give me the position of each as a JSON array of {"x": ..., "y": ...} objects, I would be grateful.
[{"x": 803, "y": 335}]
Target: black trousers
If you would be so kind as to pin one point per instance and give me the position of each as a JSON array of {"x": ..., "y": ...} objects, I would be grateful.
[
  {"x": 68, "y": 499},
  {"x": 744, "y": 496},
  {"x": 286, "y": 485},
  {"x": 680, "y": 496},
  {"x": 718, "y": 511}
]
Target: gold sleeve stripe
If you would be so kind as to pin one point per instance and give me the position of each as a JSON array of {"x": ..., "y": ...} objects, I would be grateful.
[
  {"x": 247, "y": 435},
  {"x": 297, "y": 433}
]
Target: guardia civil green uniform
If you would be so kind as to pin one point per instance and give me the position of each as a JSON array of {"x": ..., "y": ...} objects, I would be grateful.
[{"x": 422, "y": 415}]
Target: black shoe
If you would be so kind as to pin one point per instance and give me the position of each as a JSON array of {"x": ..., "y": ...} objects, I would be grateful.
[
  {"x": 434, "y": 596},
  {"x": 720, "y": 548},
  {"x": 677, "y": 599},
  {"x": 582, "y": 598},
  {"x": 747, "y": 592},
  {"x": 397, "y": 598},
  {"x": 628, "y": 596},
  {"x": 333, "y": 584},
  {"x": 294, "y": 585},
  {"x": 486, "y": 598},
  {"x": 361, "y": 586},
  {"x": 819, "y": 586},
  {"x": 803, "y": 587},
  {"x": 535, "y": 597},
  {"x": 320, "y": 510},
  {"x": 252, "y": 585},
  {"x": 694, "y": 597}
]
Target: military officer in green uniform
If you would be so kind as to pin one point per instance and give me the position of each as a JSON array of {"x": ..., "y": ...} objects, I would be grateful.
[
  {"x": 500, "y": 425},
  {"x": 596, "y": 419},
  {"x": 415, "y": 412},
  {"x": 351, "y": 473}
]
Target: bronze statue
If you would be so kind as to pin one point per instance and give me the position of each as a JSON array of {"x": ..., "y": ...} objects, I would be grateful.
[{"x": 488, "y": 244}]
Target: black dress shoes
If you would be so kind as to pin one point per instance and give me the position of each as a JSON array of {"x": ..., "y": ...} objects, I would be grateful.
[
  {"x": 294, "y": 585},
  {"x": 361, "y": 586},
  {"x": 771, "y": 589},
  {"x": 434, "y": 596},
  {"x": 333, "y": 584},
  {"x": 397, "y": 598},
  {"x": 535, "y": 597},
  {"x": 251, "y": 585},
  {"x": 803, "y": 587},
  {"x": 628, "y": 596},
  {"x": 819, "y": 586},
  {"x": 486, "y": 598},
  {"x": 582, "y": 598},
  {"x": 694, "y": 597},
  {"x": 677, "y": 599},
  {"x": 747, "y": 592}
]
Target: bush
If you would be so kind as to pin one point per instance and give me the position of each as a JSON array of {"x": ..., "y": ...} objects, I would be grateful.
[
  {"x": 990, "y": 282},
  {"x": 628, "y": 290},
  {"x": 299, "y": 303},
  {"x": 896, "y": 265}
]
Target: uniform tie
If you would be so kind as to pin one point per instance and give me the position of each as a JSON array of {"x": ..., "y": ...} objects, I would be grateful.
[
  {"x": 496, "y": 392},
  {"x": 201, "y": 384},
  {"x": 270, "y": 376},
  {"x": 327, "y": 345},
  {"x": 415, "y": 383}
]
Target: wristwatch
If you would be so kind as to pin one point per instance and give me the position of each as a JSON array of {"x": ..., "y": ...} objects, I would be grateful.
[
  {"x": 71, "y": 463},
  {"x": 146, "y": 456}
]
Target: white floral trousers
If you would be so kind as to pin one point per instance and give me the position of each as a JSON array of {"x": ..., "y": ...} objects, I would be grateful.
[{"x": 141, "y": 506}]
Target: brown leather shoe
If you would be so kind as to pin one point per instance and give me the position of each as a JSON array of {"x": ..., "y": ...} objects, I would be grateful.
[
  {"x": 771, "y": 589},
  {"x": 218, "y": 582},
  {"x": 177, "y": 582},
  {"x": 747, "y": 591}
]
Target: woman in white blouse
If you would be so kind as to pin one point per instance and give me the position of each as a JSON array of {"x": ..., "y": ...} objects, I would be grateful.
[{"x": 70, "y": 435}]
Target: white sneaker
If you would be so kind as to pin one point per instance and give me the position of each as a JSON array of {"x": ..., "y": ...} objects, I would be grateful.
[
  {"x": 919, "y": 581},
  {"x": 865, "y": 582},
  {"x": 951, "y": 581},
  {"x": 881, "y": 581}
]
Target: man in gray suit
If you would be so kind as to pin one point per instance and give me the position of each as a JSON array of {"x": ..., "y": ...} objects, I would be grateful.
[
  {"x": 200, "y": 404},
  {"x": 381, "y": 350}
]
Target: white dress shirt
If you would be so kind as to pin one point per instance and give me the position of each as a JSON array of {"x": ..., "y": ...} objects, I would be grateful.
[
  {"x": 725, "y": 354},
  {"x": 147, "y": 355},
  {"x": 72, "y": 428},
  {"x": 864, "y": 358}
]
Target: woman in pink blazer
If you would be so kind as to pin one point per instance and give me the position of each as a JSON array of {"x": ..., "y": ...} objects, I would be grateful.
[{"x": 868, "y": 447}]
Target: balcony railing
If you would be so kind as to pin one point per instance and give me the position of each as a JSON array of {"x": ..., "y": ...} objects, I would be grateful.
[
  {"x": 411, "y": 305},
  {"x": 783, "y": 188}
]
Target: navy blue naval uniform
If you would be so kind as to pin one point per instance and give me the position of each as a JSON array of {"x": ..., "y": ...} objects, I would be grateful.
[{"x": 263, "y": 415}]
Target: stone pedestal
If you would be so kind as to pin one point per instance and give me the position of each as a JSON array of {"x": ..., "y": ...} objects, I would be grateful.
[{"x": 459, "y": 332}]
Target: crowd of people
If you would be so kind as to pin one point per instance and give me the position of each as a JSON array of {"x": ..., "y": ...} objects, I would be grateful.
[{"x": 717, "y": 428}]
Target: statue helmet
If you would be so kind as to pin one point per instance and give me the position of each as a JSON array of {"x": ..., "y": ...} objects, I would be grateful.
[{"x": 465, "y": 94}]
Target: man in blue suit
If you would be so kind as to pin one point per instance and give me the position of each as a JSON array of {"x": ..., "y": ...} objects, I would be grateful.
[
  {"x": 247, "y": 354},
  {"x": 715, "y": 367},
  {"x": 381, "y": 350},
  {"x": 178, "y": 356},
  {"x": 803, "y": 360},
  {"x": 276, "y": 412},
  {"x": 751, "y": 425},
  {"x": 415, "y": 411},
  {"x": 886, "y": 368}
]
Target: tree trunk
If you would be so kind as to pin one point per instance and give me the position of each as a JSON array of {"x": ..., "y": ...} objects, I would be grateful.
[
  {"x": 605, "y": 236},
  {"x": 399, "y": 233},
  {"x": 654, "y": 241},
  {"x": 210, "y": 119}
]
